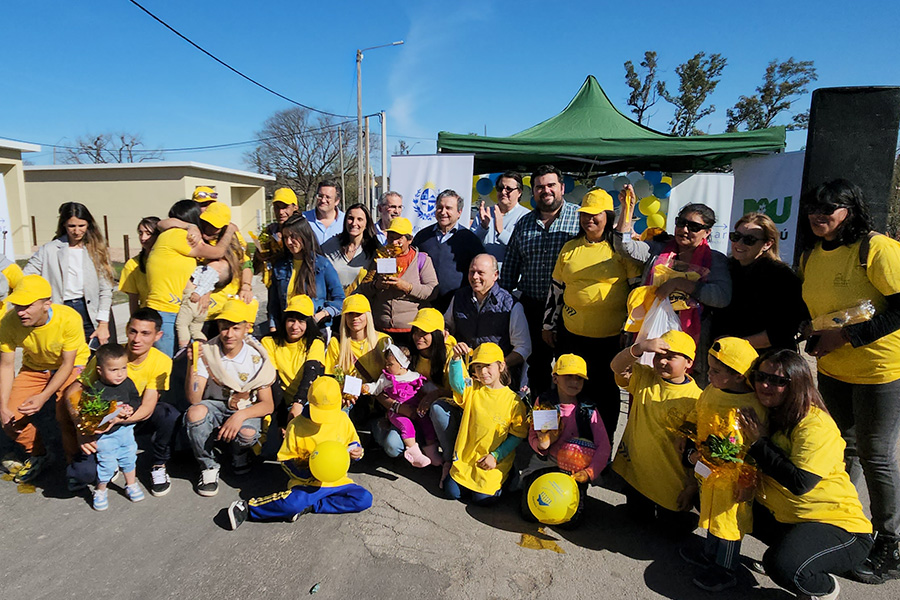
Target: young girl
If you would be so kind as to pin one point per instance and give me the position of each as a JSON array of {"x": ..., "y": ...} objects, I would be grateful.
[
  {"x": 401, "y": 385},
  {"x": 722, "y": 514},
  {"x": 133, "y": 280},
  {"x": 494, "y": 421}
]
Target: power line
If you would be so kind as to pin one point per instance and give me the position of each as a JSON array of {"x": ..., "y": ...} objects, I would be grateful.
[{"x": 232, "y": 69}]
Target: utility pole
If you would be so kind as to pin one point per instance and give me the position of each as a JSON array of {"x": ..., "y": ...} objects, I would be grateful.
[
  {"x": 384, "y": 184},
  {"x": 341, "y": 150}
]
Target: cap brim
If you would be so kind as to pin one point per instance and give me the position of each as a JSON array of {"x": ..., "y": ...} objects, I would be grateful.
[
  {"x": 568, "y": 372},
  {"x": 21, "y": 299},
  {"x": 319, "y": 415}
]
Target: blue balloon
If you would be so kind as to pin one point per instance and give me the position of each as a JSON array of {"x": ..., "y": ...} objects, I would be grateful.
[
  {"x": 570, "y": 183},
  {"x": 654, "y": 177},
  {"x": 494, "y": 177},
  {"x": 640, "y": 225},
  {"x": 484, "y": 186},
  {"x": 661, "y": 190}
]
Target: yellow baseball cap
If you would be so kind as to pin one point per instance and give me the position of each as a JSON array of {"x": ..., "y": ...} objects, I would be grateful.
[
  {"x": 238, "y": 311},
  {"x": 217, "y": 214},
  {"x": 570, "y": 364},
  {"x": 487, "y": 353},
  {"x": 428, "y": 320},
  {"x": 30, "y": 289},
  {"x": 302, "y": 304},
  {"x": 400, "y": 225},
  {"x": 285, "y": 196},
  {"x": 324, "y": 400},
  {"x": 735, "y": 353},
  {"x": 204, "y": 193},
  {"x": 356, "y": 303},
  {"x": 596, "y": 201},
  {"x": 680, "y": 343}
]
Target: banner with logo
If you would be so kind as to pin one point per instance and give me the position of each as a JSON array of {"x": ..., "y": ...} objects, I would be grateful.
[
  {"x": 771, "y": 185},
  {"x": 712, "y": 189},
  {"x": 419, "y": 179}
]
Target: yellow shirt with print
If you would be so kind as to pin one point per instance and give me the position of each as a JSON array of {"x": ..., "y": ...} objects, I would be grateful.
[
  {"x": 596, "y": 280},
  {"x": 134, "y": 281},
  {"x": 815, "y": 445},
  {"x": 489, "y": 416},
  {"x": 423, "y": 365},
  {"x": 834, "y": 280},
  {"x": 218, "y": 298},
  {"x": 289, "y": 359},
  {"x": 14, "y": 275},
  {"x": 42, "y": 347},
  {"x": 301, "y": 438},
  {"x": 152, "y": 373},
  {"x": 647, "y": 457},
  {"x": 370, "y": 360},
  {"x": 169, "y": 268}
]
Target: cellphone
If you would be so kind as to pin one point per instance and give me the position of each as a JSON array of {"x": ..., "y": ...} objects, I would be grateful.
[{"x": 94, "y": 344}]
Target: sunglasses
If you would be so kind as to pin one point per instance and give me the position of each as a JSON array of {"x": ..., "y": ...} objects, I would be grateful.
[
  {"x": 823, "y": 209},
  {"x": 202, "y": 195},
  {"x": 769, "y": 378},
  {"x": 747, "y": 240},
  {"x": 507, "y": 189},
  {"x": 692, "y": 226}
]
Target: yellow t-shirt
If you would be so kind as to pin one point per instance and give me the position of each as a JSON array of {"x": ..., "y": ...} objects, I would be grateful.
[
  {"x": 169, "y": 268},
  {"x": 647, "y": 457},
  {"x": 134, "y": 281},
  {"x": 300, "y": 441},
  {"x": 423, "y": 365},
  {"x": 489, "y": 416},
  {"x": 719, "y": 513},
  {"x": 596, "y": 280},
  {"x": 14, "y": 275},
  {"x": 218, "y": 298},
  {"x": 151, "y": 374},
  {"x": 815, "y": 445},
  {"x": 43, "y": 346},
  {"x": 833, "y": 280},
  {"x": 289, "y": 360},
  {"x": 371, "y": 360}
]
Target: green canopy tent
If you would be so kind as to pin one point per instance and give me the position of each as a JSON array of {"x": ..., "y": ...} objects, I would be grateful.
[{"x": 592, "y": 137}]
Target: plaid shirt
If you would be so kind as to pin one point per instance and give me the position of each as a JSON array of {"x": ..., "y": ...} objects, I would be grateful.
[{"x": 532, "y": 251}]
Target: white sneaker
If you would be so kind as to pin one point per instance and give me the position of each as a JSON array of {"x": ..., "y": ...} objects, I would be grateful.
[
  {"x": 209, "y": 482},
  {"x": 830, "y": 596}
]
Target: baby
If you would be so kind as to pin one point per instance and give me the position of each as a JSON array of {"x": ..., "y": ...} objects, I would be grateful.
[{"x": 206, "y": 278}]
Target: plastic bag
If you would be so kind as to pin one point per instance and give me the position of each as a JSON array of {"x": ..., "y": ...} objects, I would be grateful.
[
  {"x": 660, "y": 319},
  {"x": 849, "y": 316}
]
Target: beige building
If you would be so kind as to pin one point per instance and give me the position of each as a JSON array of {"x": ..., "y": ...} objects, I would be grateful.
[
  {"x": 124, "y": 193},
  {"x": 16, "y": 235}
]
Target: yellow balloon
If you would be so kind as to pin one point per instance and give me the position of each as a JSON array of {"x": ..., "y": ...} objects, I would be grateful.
[
  {"x": 666, "y": 179},
  {"x": 656, "y": 220},
  {"x": 329, "y": 461},
  {"x": 649, "y": 205},
  {"x": 553, "y": 498},
  {"x": 526, "y": 181}
]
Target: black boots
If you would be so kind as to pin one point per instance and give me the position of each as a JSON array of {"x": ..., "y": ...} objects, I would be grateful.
[{"x": 883, "y": 563}]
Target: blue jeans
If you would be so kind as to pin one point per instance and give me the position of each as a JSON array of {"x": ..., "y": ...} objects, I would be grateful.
[
  {"x": 338, "y": 500},
  {"x": 116, "y": 449},
  {"x": 167, "y": 343},
  {"x": 81, "y": 308},
  {"x": 202, "y": 434},
  {"x": 454, "y": 491},
  {"x": 445, "y": 417},
  {"x": 387, "y": 437}
]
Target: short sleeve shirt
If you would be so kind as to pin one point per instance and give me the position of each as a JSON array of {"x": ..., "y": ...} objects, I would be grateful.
[{"x": 43, "y": 346}]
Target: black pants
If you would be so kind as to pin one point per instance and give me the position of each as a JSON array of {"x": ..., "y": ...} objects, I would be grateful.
[
  {"x": 801, "y": 556},
  {"x": 541, "y": 353}
]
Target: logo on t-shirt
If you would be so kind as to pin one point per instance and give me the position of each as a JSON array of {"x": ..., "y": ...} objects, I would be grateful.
[{"x": 841, "y": 281}]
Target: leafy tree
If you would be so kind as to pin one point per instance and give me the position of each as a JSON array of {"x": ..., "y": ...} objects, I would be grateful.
[
  {"x": 698, "y": 78},
  {"x": 644, "y": 92},
  {"x": 109, "y": 148},
  {"x": 783, "y": 84}
]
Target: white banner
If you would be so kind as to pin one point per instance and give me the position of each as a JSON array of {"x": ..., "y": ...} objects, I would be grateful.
[
  {"x": 5, "y": 233},
  {"x": 715, "y": 190},
  {"x": 419, "y": 179},
  {"x": 771, "y": 185}
]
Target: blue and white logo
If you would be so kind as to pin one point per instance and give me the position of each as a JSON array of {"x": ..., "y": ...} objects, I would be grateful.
[{"x": 424, "y": 201}]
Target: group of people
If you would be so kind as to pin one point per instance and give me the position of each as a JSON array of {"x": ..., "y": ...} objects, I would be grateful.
[{"x": 441, "y": 343}]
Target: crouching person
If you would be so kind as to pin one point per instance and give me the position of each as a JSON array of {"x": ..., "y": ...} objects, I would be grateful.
[
  {"x": 322, "y": 420},
  {"x": 229, "y": 389}
]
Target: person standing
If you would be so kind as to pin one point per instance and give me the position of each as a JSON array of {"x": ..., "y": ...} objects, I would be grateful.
[
  {"x": 495, "y": 224},
  {"x": 390, "y": 206},
  {"x": 352, "y": 250},
  {"x": 326, "y": 218},
  {"x": 530, "y": 257},
  {"x": 271, "y": 259}
]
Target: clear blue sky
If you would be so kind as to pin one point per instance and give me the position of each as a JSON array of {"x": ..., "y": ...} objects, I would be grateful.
[{"x": 74, "y": 68}]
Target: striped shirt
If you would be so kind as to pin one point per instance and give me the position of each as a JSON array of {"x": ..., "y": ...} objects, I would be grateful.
[{"x": 532, "y": 251}]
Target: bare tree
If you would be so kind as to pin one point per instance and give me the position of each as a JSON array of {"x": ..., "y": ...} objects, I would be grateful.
[
  {"x": 698, "y": 78},
  {"x": 110, "y": 148},
  {"x": 783, "y": 84},
  {"x": 644, "y": 93}
]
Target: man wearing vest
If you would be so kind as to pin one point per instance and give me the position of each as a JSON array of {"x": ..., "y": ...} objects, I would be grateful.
[{"x": 271, "y": 260}]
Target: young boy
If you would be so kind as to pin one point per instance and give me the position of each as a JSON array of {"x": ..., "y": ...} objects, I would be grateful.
[
  {"x": 192, "y": 313},
  {"x": 662, "y": 398},
  {"x": 116, "y": 447},
  {"x": 722, "y": 514},
  {"x": 322, "y": 420}
]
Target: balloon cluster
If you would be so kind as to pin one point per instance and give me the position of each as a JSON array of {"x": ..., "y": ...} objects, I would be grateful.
[{"x": 651, "y": 188}]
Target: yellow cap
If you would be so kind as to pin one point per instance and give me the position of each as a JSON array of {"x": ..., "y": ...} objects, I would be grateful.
[
  {"x": 324, "y": 400},
  {"x": 487, "y": 353},
  {"x": 285, "y": 196},
  {"x": 639, "y": 302},
  {"x": 238, "y": 311},
  {"x": 428, "y": 320},
  {"x": 570, "y": 364},
  {"x": 217, "y": 214},
  {"x": 356, "y": 303},
  {"x": 203, "y": 193},
  {"x": 30, "y": 289},
  {"x": 596, "y": 201},
  {"x": 680, "y": 343},
  {"x": 735, "y": 353},
  {"x": 400, "y": 225},
  {"x": 301, "y": 304}
]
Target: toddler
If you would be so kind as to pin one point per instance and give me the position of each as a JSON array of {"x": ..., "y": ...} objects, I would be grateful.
[{"x": 192, "y": 314}]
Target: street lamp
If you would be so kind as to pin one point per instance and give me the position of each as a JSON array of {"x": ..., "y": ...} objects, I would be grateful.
[{"x": 359, "y": 118}]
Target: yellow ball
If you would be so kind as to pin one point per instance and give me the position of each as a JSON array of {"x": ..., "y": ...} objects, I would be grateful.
[
  {"x": 329, "y": 461},
  {"x": 649, "y": 205},
  {"x": 656, "y": 220},
  {"x": 553, "y": 498}
]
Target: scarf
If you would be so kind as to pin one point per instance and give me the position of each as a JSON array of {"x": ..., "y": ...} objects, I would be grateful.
[{"x": 701, "y": 261}]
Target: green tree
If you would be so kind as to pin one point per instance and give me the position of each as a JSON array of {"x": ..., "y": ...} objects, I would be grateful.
[
  {"x": 698, "y": 78},
  {"x": 783, "y": 84},
  {"x": 644, "y": 92}
]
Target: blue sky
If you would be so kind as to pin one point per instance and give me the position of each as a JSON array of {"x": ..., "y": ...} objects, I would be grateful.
[{"x": 73, "y": 68}]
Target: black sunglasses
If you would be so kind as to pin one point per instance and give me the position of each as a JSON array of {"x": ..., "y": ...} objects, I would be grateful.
[
  {"x": 747, "y": 240},
  {"x": 507, "y": 189},
  {"x": 769, "y": 378},
  {"x": 692, "y": 226},
  {"x": 823, "y": 209}
]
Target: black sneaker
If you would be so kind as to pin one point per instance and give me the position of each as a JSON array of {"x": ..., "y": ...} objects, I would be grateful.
[
  {"x": 305, "y": 511},
  {"x": 715, "y": 579},
  {"x": 160, "y": 483},
  {"x": 237, "y": 514},
  {"x": 883, "y": 563},
  {"x": 209, "y": 482},
  {"x": 695, "y": 556}
]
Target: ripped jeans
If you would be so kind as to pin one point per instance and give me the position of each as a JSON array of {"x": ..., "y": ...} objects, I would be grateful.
[{"x": 202, "y": 434}]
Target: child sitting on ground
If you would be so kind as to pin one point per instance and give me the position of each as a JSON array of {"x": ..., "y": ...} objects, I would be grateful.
[
  {"x": 322, "y": 420},
  {"x": 204, "y": 280},
  {"x": 401, "y": 385},
  {"x": 116, "y": 447}
]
